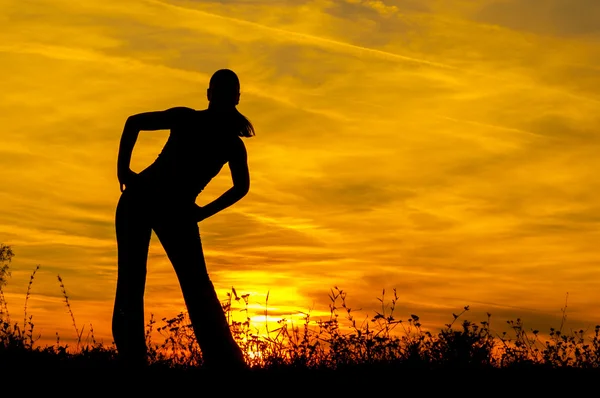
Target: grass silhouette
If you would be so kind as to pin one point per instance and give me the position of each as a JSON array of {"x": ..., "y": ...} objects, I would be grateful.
[{"x": 338, "y": 344}]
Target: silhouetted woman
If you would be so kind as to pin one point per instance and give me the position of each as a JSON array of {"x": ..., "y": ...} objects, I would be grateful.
[{"x": 162, "y": 198}]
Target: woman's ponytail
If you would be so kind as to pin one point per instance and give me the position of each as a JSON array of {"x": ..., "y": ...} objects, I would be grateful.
[{"x": 246, "y": 129}]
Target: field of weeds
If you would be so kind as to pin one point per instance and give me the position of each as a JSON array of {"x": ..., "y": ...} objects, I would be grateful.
[{"x": 339, "y": 345}]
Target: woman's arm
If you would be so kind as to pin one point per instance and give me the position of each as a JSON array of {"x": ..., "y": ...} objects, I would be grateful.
[
  {"x": 159, "y": 120},
  {"x": 238, "y": 165}
]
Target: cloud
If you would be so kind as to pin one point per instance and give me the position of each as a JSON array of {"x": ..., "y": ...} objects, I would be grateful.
[{"x": 554, "y": 17}]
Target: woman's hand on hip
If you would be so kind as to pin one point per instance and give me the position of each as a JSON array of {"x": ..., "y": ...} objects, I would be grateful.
[
  {"x": 126, "y": 177},
  {"x": 199, "y": 213}
]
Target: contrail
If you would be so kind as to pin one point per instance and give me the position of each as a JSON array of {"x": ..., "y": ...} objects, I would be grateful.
[
  {"x": 494, "y": 126},
  {"x": 316, "y": 39}
]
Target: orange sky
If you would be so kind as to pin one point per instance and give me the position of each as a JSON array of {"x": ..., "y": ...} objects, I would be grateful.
[{"x": 445, "y": 148}]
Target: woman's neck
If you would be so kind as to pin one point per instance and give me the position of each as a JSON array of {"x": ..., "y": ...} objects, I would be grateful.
[{"x": 220, "y": 107}]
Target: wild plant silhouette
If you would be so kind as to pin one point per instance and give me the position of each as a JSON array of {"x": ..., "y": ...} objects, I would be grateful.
[{"x": 338, "y": 342}]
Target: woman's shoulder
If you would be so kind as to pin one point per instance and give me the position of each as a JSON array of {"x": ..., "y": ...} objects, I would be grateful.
[
  {"x": 181, "y": 110},
  {"x": 179, "y": 115},
  {"x": 236, "y": 147}
]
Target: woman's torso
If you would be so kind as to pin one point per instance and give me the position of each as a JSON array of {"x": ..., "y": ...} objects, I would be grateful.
[{"x": 195, "y": 152}]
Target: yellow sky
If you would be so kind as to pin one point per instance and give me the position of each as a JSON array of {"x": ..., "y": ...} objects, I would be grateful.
[{"x": 444, "y": 148}]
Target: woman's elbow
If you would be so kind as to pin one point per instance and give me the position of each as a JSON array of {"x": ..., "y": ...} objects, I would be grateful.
[
  {"x": 132, "y": 122},
  {"x": 241, "y": 190}
]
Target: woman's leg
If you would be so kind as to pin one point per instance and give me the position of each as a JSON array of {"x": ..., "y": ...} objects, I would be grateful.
[
  {"x": 133, "y": 240},
  {"x": 180, "y": 237}
]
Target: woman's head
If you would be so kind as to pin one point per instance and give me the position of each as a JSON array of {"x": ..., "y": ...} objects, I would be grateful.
[
  {"x": 223, "y": 95},
  {"x": 223, "y": 89}
]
